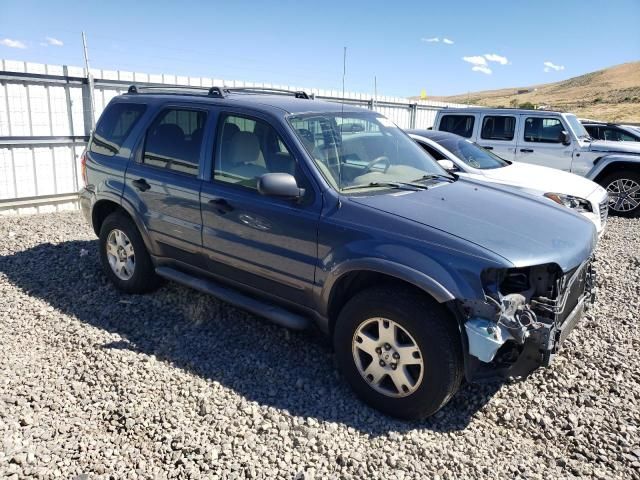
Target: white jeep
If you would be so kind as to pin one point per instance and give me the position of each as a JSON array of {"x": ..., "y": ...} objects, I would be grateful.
[{"x": 553, "y": 139}]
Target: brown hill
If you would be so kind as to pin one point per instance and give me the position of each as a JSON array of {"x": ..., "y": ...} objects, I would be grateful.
[{"x": 612, "y": 94}]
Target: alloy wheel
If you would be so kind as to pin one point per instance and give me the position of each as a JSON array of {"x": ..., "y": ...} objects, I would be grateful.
[
  {"x": 387, "y": 357},
  {"x": 624, "y": 195},
  {"x": 120, "y": 254}
]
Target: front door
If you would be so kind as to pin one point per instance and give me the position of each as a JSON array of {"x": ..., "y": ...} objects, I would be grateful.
[
  {"x": 164, "y": 182},
  {"x": 540, "y": 143},
  {"x": 266, "y": 243}
]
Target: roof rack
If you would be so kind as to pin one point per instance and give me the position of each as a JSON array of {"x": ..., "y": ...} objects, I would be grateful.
[
  {"x": 280, "y": 91},
  {"x": 216, "y": 92}
]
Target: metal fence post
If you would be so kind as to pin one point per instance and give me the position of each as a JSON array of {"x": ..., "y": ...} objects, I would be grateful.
[{"x": 413, "y": 108}]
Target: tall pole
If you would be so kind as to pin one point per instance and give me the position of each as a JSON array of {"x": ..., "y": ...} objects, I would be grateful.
[
  {"x": 344, "y": 69},
  {"x": 375, "y": 90},
  {"x": 89, "y": 82}
]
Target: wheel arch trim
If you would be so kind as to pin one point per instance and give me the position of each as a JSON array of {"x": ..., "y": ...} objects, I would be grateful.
[
  {"x": 603, "y": 163},
  {"x": 377, "y": 265}
]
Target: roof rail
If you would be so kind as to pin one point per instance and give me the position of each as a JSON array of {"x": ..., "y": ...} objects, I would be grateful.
[
  {"x": 216, "y": 92},
  {"x": 281, "y": 91}
]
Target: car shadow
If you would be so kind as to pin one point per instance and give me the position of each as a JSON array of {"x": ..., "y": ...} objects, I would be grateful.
[{"x": 265, "y": 363}]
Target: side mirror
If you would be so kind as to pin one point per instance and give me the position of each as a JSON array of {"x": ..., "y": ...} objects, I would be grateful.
[
  {"x": 448, "y": 165},
  {"x": 281, "y": 185},
  {"x": 564, "y": 137}
]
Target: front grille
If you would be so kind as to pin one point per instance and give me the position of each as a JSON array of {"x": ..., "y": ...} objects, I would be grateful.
[{"x": 604, "y": 211}]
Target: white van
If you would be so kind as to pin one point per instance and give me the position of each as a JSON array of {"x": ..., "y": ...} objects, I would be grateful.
[{"x": 552, "y": 139}]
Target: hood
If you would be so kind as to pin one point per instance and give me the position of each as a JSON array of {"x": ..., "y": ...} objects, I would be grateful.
[
  {"x": 523, "y": 230},
  {"x": 535, "y": 178},
  {"x": 615, "y": 147}
]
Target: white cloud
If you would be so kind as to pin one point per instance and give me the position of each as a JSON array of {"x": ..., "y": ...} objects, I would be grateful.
[
  {"x": 482, "y": 68},
  {"x": 475, "y": 60},
  {"x": 548, "y": 66},
  {"x": 8, "y": 42},
  {"x": 494, "y": 57},
  {"x": 54, "y": 41},
  {"x": 430, "y": 40},
  {"x": 447, "y": 41}
]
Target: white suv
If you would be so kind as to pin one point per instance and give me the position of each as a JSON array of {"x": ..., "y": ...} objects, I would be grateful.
[{"x": 556, "y": 140}]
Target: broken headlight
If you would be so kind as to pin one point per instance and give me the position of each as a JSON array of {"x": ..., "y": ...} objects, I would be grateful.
[{"x": 575, "y": 203}]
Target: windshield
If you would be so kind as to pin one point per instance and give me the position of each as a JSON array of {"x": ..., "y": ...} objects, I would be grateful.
[
  {"x": 366, "y": 150},
  {"x": 577, "y": 127},
  {"x": 472, "y": 154}
]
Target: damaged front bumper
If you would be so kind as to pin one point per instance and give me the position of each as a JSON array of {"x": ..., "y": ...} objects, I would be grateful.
[{"x": 515, "y": 333}]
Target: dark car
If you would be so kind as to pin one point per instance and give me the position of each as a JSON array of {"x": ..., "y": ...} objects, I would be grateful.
[
  {"x": 611, "y": 131},
  {"x": 307, "y": 212}
]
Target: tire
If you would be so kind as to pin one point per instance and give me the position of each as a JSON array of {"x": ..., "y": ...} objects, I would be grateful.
[
  {"x": 139, "y": 274},
  {"x": 625, "y": 180},
  {"x": 426, "y": 324}
]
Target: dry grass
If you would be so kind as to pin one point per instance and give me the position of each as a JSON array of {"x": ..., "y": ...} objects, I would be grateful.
[{"x": 612, "y": 94}]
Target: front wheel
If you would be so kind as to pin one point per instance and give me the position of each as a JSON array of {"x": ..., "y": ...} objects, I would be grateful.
[
  {"x": 400, "y": 351},
  {"x": 623, "y": 188}
]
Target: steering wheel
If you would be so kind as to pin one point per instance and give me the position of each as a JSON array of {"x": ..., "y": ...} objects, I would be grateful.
[{"x": 381, "y": 159}]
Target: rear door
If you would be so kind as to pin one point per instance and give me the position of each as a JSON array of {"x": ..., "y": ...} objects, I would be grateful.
[
  {"x": 539, "y": 141},
  {"x": 164, "y": 181},
  {"x": 498, "y": 134},
  {"x": 264, "y": 243}
]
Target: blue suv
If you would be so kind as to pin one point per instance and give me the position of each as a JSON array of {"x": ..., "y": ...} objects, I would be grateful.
[{"x": 308, "y": 212}]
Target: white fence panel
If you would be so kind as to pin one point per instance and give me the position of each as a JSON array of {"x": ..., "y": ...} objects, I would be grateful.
[{"x": 49, "y": 106}]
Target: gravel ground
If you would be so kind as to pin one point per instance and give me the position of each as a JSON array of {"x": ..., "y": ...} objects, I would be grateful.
[{"x": 98, "y": 384}]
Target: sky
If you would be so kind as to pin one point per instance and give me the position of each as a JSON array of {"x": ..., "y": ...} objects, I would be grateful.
[{"x": 439, "y": 47}]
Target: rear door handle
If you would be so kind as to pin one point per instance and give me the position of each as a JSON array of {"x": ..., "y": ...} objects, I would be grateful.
[
  {"x": 487, "y": 147},
  {"x": 221, "y": 205},
  {"x": 141, "y": 184},
  {"x": 526, "y": 150}
]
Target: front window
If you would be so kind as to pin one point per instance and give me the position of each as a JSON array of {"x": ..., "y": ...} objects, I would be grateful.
[
  {"x": 576, "y": 126},
  {"x": 472, "y": 154},
  {"x": 354, "y": 150},
  {"x": 543, "y": 130}
]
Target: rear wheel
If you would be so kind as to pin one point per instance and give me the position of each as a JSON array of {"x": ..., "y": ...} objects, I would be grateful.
[
  {"x": 623, "y": 188},
  {"x": 400, "y": 351},
  {"x": 124, "y": 257}
]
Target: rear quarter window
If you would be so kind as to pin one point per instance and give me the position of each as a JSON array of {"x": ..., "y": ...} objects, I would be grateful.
[
  {"x": 459, "y": 124},
  {"x": 114, "y": 127}
]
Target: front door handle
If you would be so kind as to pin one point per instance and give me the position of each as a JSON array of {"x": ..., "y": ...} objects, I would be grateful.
[
  {"x": 526, "y": 150},
  {"x": 221, "y": 205},
  {"x": 487, "y": 147},
  {"x": 141, "y": 184}
]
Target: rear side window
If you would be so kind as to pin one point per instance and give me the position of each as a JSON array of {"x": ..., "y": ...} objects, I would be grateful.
[
  {"x": 174, "y": 140},
  {"x": 459, "y": 124},
  {"x": 542, "y": 130},
  {"x": 114, "y": 127},
  {"x": 498, "y": 127}
]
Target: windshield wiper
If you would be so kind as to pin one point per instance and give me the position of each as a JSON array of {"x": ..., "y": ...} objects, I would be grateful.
[
  {"x": 398, "y": 185},
  {"x": 432, "y": 176}
]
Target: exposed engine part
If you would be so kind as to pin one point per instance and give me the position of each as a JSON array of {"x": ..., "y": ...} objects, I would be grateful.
[
  {"x": 525, "y": 305},
  {"x": 516, "y": 316},
  {"x": 514, "y": 320}
]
